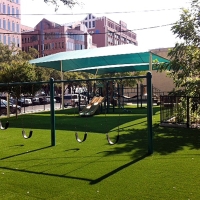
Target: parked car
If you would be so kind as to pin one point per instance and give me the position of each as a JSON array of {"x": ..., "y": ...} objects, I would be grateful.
[
  {"x": 39, "y": 99},
  {"x": 13, "y": 107},
  {"x": 48, "y": 99},
  {"x": 73, "y": 100},
  {"x": 24, "y": 101}
]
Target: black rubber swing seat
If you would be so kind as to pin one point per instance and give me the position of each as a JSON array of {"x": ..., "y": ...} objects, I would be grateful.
[
  {"x": 111, "y": 142},
  {"x": 6, "y": 126},
  {"x": 78, "y": 139},
  {"x": 27, "y": 136}
]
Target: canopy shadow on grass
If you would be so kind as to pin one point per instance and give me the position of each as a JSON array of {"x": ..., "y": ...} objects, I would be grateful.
[
  {"x": 118, "y": 169},
  {"x": 23, "y": 153},
  {"x": 46, "y": 174},
  {"x": 68, "y": 121},
  {"x": 166, "y": 141}
]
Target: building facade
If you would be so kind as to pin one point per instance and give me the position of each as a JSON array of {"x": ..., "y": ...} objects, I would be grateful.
[
  {"x": 10, "y": 22},
  {"x": 49, "y": 38},
  {"x": 106, "y": 32}
]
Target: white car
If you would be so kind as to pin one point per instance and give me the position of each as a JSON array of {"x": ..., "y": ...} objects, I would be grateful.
[
  {"x": 48, "y": 99},
  {"x": 24, "y": 101},
  {"x": 73, "y": 100}
]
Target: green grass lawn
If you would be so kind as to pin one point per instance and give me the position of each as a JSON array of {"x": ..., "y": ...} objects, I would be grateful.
[{"x": 33, "y": 169}]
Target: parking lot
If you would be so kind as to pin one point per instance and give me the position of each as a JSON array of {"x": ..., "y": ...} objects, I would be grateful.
[{"x": 39, "y": 108}]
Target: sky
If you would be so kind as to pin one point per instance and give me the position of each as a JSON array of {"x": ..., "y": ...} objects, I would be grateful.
[{"x": 139, "y": 15}]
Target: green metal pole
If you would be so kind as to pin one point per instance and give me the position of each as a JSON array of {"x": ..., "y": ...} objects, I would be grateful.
[
  {"x": 53, "y": 135},
  {"x": 149, "y": 113}
]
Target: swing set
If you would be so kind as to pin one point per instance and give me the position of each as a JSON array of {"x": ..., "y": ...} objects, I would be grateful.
[{"x": 148, "y": 77}]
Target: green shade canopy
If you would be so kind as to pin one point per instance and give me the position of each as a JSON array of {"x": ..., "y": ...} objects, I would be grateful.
[{"x": 112, "y": 59}]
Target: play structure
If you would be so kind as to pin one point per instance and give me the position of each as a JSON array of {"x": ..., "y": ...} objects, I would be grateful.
[{"x": 92, "y": 107}]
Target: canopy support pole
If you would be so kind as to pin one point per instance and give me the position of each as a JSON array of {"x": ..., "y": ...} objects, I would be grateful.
[
  {"x": 150, "y": 62},
  {"x": 96, "y": 73},
  {"x": 149, "y": 113},
  {"x": 62, "y": 85}
]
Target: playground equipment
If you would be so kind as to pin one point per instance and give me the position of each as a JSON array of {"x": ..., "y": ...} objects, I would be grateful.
[
  {"x": 6, "y": 126},
  {"x": 109, "y": 140},
  {"x": 92, "y": 107},
  {"x": 148, "y": 77},
  {"x": 27, "y": 136},
  {"x": 117, "y": 137},
  {"x": 78, "y": 139}
]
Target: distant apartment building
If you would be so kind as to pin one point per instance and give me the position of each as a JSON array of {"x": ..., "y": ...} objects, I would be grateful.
[
  {"x": 49, "y": 38},
  {"x": 10, "y": 22},
  {"x": 106, "y": 32},
  {"x": 25, "y": 28}
]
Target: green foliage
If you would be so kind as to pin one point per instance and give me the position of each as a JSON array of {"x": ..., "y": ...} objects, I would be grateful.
[
  {"x": 125, "y": 82},
  {"x": 69, "y": 3},
  {"x": 184, "y": 67},
  {"x": 14, "y": 67}
]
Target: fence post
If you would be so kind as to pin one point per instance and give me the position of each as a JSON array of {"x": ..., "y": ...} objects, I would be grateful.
[
  {"x": 188, "y": 112},
  {"x": 149, "y": 113},
  {"x": 53, "y": 135}
]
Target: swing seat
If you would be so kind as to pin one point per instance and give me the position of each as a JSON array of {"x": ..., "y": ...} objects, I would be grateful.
[
  {"x": 78, "y": 139},
  {"x": 27, "y": 136},
  {"x": 111, "y": 142},
  {"x": 6, "y": 126}
]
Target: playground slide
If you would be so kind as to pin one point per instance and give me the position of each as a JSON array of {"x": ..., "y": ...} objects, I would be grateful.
[
  {"x": 86, "y": 108},
  {"x": 92, "y": 107}
]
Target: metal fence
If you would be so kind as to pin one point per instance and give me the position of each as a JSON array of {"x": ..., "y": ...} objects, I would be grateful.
[{"x": 180, "y": 110}]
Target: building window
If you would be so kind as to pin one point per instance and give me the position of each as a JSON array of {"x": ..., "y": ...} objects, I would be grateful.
[
  {"x": 4, "y": 23},
  {"x": 4, "y": 9},
  {"x": 17, "y": 13},
  {"x": 0, "y": 23},
  {"x": 57, "y": 35},
  {"x": 18, "y": 42},
  {"x": 86, "y": 24},
  {"x": 17, "y": 26},
  {"x": 13, "y": 11},
  {"x": 9, "y": 25},
  {"x": 89, "y": 24},
  {"x": 8, "y": 10},
  {"x": 93, "y": 24},
  {"x": 4, "y": 39},
  {"x": 13, "y": 40},
  {"x": 13, "y": 26},
  {"x": 8, "y": 40}
]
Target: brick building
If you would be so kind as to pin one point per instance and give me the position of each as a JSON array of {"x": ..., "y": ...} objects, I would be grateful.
[
  {"x": 49, "y": 38},
  {"x": 106, "y": 32},
  {"x": 10, "y": 22}
]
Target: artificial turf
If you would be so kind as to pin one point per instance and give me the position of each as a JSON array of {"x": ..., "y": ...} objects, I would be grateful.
[{"x": 33, "y": 169}]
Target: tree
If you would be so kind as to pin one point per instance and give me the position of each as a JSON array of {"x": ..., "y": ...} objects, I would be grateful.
[
  {"x": 184, "y": 66},
  {"x": 69, "y": 3},
  {"x": 14, "y": 67}
]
